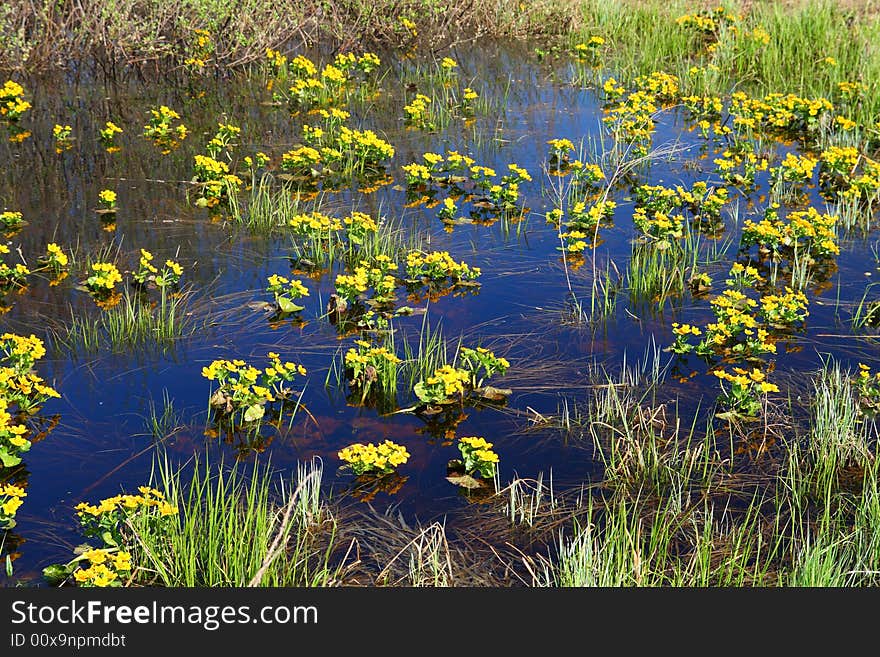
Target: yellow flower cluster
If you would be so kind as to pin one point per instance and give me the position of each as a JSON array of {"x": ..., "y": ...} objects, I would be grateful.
[
  {"x": 733, "y": 317},
  {"x": 275, "y": 59},
  {"x": 659, "y": 225},
  {"x": 703, "y": 106},
  {"x": 868, "y": 387},
  {"x": 784, "y": 309},
  {"x": 210, "y": 169},
  {"x": 106, "y": 568},
  {"x": 314, "y": 224},
  {"x": 63, "y": 139},
  {"x": 560, "y": 147},
  {"x": 747, "y": 378},
  {"x": 409, "y": 25},
  {"x": 699, "y": 21},
  {"x": 350, "y": 286},
  {"x": 478, "y": 456},
  {"x": 587, "y": 173},
  {"x": 276, "y": 367},
  {"x": 19, "y": 387},
  {"x": 367, "y": 354},
  {"x": 245, "y": 388},
  {"x": 332, "y": 75},
  {"x": 12, "y": 433},
  {"x": 588, "y": 51},
  {"x": 11, "y": 219},
  {"x": 21, "y": 348},
  {"x": 148, "y": 499},
  {"x": 55, "y": 255},
  {"x": 418, "y": 112},
  {"x": 740, "y": 168},
  {"x": 107, "y": 197},
  {"x": 631, "y": 120},
  {"x": 159, "y": 129},
  {"x": 369, "y": 458},
  {"x": 451, "y": 381},
  {"x": 613, "y": 89},
  {"x": 744, "y": 275},
  {"x": 519, "y": 173},
  {"x": 575, "y": 241},
  {"x": 366, "y": 144},
  {"x": 685, "y": 329},
  {"x": 360, "y": 223},
  {"x": 438, "y": 265},
  {"x": 222, "y": 367},
  {"x": 776, "y": 111},
  {"x": 761, "y": 36},
  {"x": 850, "y": 173},
  {"x": 104, "y": 278},
  {"x": 293, "y": 287},
  {"x": 583, "y": 218},
  {"x": 11, "y": 497},
  {"x": 107, "y": 135},
  {"x": 416, "y": 174},
  {"x": 797, "y": 168},
  {"x": 850, "y": 89},
  {"x": 300, "y": 158},
  {"x": 306, "y": 91},
  {"x": 807, "y": 230},
  {"x": 174, "y": 267},
  {"x": 658, "y": 85},
  {"x": 303, "y": 67},
  {"x": 24, "y": 388},
  {"x": 842, "y": 159},
  {"x": 12, "y": 275},
  {"x": 480, "y": 447},
  {"x": 375, "y": 273},
  {"x": 12, "y": 102}
]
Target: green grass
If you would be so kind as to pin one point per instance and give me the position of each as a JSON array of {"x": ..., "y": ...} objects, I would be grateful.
[
  {"x": 163, "y": 419},
  {"x": 290, "y": 535},
  {"x": 430, "y": 352},
  {"x": 600, "y": 306},
  {"x": 391, "y": 240},
  {"x": 529, "y": 500},
  {"x": 866, "y": 314},
  {"x": 131, "y": 324},
  {"x": 269, "y": 205},
  {"x": 426, "y": 560},
  {"x": 674, "y": 507},
  {"x": 641, "y": 37},
  {"x": 381, "y": 392}
]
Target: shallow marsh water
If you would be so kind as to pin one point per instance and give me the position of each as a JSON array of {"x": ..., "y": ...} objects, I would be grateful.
[{"x": 102, "y": 444}]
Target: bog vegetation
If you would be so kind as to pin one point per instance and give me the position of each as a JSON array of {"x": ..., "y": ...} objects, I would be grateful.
[{"x": 584, "y": 287}]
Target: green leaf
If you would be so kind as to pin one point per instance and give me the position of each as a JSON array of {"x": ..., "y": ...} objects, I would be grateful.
[
  {"x": 493, "y": 394},
  {"x": 288, "y": 306},
  {"x": 465, "y": 481},
  {"x": 8, "y": 460},
  {"x": 56, "y": 574},
  {"x": 735, "y": 416},
  {"x": 253, "y": 413},
  {"x": 421, "y": 393}
]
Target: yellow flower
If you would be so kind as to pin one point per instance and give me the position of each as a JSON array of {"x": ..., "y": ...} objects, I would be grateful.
[{"x": 95, "y": 556}]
